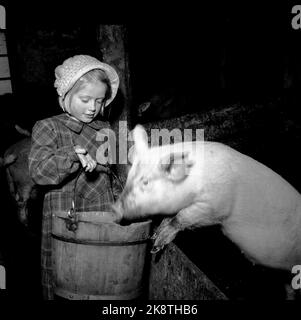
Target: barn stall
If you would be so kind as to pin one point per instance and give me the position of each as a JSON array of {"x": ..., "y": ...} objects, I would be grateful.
[{"x": 236, "y": 81}]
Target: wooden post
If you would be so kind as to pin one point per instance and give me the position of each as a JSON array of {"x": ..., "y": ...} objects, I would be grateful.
[{"x": 113, "y": 43}]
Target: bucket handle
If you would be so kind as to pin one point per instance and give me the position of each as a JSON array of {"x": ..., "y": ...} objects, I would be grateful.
[{"x": 72, "y": 216}]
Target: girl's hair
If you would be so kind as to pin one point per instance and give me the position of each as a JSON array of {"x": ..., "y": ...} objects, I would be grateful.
[{"x": 93, "y": 76}]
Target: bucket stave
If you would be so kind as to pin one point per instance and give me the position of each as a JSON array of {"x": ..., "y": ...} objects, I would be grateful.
[{"x": 100, "y": 260}]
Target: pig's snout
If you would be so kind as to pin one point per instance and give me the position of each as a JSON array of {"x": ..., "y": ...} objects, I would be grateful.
[{"x": 126, "y": 211}]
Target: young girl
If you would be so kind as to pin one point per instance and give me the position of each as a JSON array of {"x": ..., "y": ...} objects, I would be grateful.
[{"x": 65, "y": 144}]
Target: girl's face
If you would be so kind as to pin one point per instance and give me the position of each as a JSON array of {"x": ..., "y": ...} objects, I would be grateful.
[{"x": 86, "y": 103}]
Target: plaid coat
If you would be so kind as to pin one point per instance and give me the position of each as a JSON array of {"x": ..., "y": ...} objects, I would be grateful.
[{"x": 54, "y": 163}]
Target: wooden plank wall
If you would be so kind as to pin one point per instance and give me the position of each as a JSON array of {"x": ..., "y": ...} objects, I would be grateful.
[
  {"x": 5, "y": 82},
  {"x": 174, "y": 277}
]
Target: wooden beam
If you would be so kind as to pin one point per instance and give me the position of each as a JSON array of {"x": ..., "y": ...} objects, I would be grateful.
[{"x": 112, "y": 41}]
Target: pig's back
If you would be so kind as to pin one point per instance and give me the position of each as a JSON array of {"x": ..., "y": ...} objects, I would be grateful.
[
  {"x": 245, "y": 170},
  {"x": 265, "y": 218},
  {"x": 18, "y": 170}
]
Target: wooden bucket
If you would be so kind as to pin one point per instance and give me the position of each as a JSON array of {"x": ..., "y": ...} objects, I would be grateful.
[{"x": 100, "y": 260}]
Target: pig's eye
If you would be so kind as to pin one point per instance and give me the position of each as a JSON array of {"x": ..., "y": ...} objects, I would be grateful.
[{"x": 145, "y": 182}]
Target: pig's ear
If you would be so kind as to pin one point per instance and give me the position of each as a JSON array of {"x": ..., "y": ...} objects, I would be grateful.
[
  {"x": 140, "y": 139},
  {"x": 143, "y": 107},
  {"x": 176, "y": 166},
  {"x": 9, "y": 159}
]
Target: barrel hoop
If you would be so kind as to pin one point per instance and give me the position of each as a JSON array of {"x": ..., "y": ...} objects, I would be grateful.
[
  {"x": 98, "y": 243},
  {"x": 82, "y": 296}
]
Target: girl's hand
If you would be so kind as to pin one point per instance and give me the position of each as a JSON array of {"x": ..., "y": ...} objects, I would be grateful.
[
  {"x": 86, "y": 160},
  {"x": 91, "y": 163}
]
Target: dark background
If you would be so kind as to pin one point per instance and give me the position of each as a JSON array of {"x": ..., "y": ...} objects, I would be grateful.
[{"x": 182, "y": 47}]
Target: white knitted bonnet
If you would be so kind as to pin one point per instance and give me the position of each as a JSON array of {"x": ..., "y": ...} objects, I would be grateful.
[{"x": 73, "y": 68}]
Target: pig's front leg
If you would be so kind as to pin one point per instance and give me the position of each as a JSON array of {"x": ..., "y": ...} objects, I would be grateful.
[{"x": 196, "y": 215}]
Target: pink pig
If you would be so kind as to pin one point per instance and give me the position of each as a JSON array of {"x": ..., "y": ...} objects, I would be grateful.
[{"x": 203, "y": 183}]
